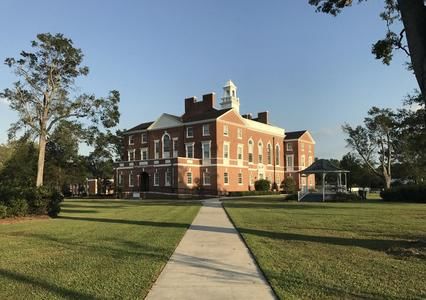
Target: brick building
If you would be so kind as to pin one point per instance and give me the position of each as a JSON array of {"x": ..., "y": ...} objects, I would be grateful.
[
  {"x": 299, "y": 154},
  {"x": 208, "y": 150}
]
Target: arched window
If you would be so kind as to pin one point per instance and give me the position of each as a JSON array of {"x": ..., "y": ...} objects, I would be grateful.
[
  {"x": 269, "y": 154},
  {"x": 166, "y": 145},
  {"x": 277, "y": 154},
  {"x": 260, "y": 152},
  {"x": 250, "y": 151}
]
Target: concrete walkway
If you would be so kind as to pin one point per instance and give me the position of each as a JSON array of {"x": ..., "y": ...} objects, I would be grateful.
[{"x": 211, "y": 262}]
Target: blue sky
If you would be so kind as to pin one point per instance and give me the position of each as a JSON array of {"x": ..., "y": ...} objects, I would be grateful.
[{"x": 309, "y": 70}]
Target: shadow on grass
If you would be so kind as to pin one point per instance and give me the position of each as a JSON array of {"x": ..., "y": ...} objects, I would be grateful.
[
  {"x": 77, "y": 211},
  {"x": 128, "y": 222},
  {"x": 371, "y": 244},
  {"x": 60, "y": 291}
]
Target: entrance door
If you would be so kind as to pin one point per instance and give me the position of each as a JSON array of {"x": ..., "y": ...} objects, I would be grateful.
[{"x": 144, "y": 184}]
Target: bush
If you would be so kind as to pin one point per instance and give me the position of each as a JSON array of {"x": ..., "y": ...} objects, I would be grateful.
[
  {"x": 262, "y": 185},
  {"x": 405, "y": 193},
  {"x": 291, "y": 197},
  {"x": 3, "y": 211},
  {"x": 17, "y": 207},
  {"x": 54, "y": 206},
  {"x": 289, "y": 185},
  {"x": 346, "y": 197},
  {"x": 252, "y": 193}
]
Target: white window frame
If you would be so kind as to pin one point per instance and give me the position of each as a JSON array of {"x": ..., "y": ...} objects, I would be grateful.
[
  {"x": 133, "y": 151},
  {"x": 189, "y": 179},
  {"x": 287, "y": 165},
  {"x": 289, "y": 147},
  {"x": 192, "y": 132},
  {"x": 169, "y": 153},
  {"x": 302, "y": 161},
  {"x": 120, "y": 179},
  {"x": 157, "y": 153},
  {"x": 186, "y": 149},
  {"x": 240, "y": 152},
  {"x": 277, "y": 154},
  {"x": 204, "y": 178},
  {"x": 240, "y": 178},
  {"x": 174, "y": 149},
  {"x": 144, "y": 150},
  {"x": 225, "y": 130},
  {"x": 240, "y": 133},
  {"x": 226, "y": 178},
  {"x": 269, "y": 156},
  {"x": 131, "y": 140},
  {"x": 260, "y": 152},
  {"x": 310, "y": 160},
  {"x": 209, "y": 144},
  {"x": 167, "y": 179},
  {"x": 144, "y": 140},
  {"x": 156, "y": 178},
  {"x": 250, "y": 150},
  {"x": 131, "y": 183},
  {"x": 302, "y": 146},
  {"x": 226, "y": 159},
  {"x": 206, "y": 129}
]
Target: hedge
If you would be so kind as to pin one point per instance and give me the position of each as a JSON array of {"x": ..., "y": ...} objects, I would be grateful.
[
  {"x": 405, "y": 193},
  {"x": 262, "y": 185},
  {"x": 252, "y": 193}
]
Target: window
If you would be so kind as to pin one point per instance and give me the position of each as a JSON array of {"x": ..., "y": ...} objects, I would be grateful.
[
  {"x": 206, "y": 149},
  {"x": 226, "y": 152},
  {"x": 289, "y": 147},
  {"x": 189, "y": 150},
  {"x": 189, "y": 178},
  {"x": 302, "y": 161},
  {"x": 144, "y": 153},
  {"x": 225, "y": 130},
  {"x": 240, "y": 133},
  {"x": 310, "y": 148},
  {"x": 175, "y": 147},
  {"x": 240, "y": 148},
  {"x": 226, "y": 178},
  {"x": 302, "y": 145},
  {"x": 206, "y": 178},
  {"x": 130, "y": 180},
  {"x": 289, "y": 162},
  {"x": 260, "y": 153},
  {"x": 144, "y": 138},
  {"x": 157, "y": 149},
  {"x": 132, "y": 155},
  {"x": 167, "y": 146},
  {"x": 206, "y": 130},
  {"x": 277, "y": 154},
  {"x": 131, "y": 140},
  {"x": 250, "y": 151},
  {"x": 189, "y": 132},
  {"x": 120, "y": 179},
  {"x": 268, "y": 154},
  {"x": 251, "y": 179},
  {"x": 156, "y": 178},
  {"x": 310, "y": 160},
  {"x": 240, "y": 178},
  {"x": 168, "y": 177}
]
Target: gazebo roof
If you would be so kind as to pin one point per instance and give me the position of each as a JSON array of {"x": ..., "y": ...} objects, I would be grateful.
[{"x": 322, "y": 166}]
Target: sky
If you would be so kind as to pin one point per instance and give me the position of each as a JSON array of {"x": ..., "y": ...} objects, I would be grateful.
[{"x": 309, "y": 70}]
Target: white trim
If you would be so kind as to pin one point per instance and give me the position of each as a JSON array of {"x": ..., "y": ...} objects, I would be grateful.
[
  {"x": 227, "y": 173},
  {"x": 208, "y": 159},
  {"x": 186, "y": 132},
  {"x": 155, "y": 150},
  {"x": 208, "y": 127},
  {"x": 226, "y": 160},
  {"x": 186, "y": 149},
  {"x": 165, "y": 121},
  {"x": 144, "y": 149}
]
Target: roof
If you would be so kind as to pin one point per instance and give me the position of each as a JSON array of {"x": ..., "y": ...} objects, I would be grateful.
[
  {"x": 294, "y": 135},
  {"x": 322, "y": 166},
  {"x": 210, "y": 114},
  {"x": 140, "y": 127}
]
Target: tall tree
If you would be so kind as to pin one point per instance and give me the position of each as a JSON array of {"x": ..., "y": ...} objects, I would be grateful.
[
  {"x": 375, "y": 141},
  {"x": 44, "y": 93},
  {"x": 412, "y": 13}
]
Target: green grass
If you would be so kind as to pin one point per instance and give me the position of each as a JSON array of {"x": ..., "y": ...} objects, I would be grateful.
[
  {"x": 96, "y": 249},
  {"x": 371, "y": 250}
]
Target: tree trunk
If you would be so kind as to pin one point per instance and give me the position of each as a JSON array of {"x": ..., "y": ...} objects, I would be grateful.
[
  {"x": 413, "y": 14},
  {"x": 41, "y": 157},
  {"x": 387, "y": 179}
]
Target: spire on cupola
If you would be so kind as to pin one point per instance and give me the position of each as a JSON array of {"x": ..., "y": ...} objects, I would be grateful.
[{"x": 230, "y": 99}]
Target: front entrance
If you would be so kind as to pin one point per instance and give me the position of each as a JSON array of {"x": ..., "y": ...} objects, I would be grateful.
[{"x": 144, "y": 182}]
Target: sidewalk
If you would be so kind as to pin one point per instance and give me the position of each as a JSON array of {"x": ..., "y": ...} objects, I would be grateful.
[{"x": 211, "y": 262}]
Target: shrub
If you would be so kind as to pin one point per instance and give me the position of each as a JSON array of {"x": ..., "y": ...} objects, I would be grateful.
[
  {"x": 262, "y": 185},
  {"x": 291, "y": 197},
  {"x": 289, "y": 185},
  {"x": 17, "y": 207},
  {"x": 345, "y": 197},
  {"x": 405, "y": 193},
  {"x": 3, "y": 211},
  {"x": 54, "y": 206},
  {"x": 252, "y": 193}
]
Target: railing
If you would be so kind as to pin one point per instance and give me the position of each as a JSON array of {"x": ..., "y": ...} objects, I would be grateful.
[{"x": 302, "y": 193}]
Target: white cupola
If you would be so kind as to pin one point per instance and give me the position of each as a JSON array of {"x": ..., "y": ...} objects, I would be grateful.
[{"x": 230, "y": 99}]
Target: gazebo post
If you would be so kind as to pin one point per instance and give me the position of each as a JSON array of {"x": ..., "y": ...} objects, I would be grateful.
[
  {"x": 346, "y": 183},
  {"x": 340, "y": 181}
]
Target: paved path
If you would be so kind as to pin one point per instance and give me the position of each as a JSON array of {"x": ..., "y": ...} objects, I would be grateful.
[{"x": 211, "y": 262}]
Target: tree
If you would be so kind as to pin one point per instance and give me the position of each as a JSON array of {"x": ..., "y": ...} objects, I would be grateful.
[
  {"x": 43, "y": 95},
  {"x": 359, "y": 174},
  {"x": 375, "y": 142},
  {"x": 289, "y": 185},
  {"x": 412, "y": 13}
]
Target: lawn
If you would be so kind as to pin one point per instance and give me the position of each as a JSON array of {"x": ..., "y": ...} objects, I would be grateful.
[
  {"x": 371, "y": 250},
  {"x": 96, "y": 249}
]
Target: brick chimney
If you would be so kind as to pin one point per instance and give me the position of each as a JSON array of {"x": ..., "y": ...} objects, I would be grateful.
[
  {"x": 189, "y": 104},
  {"x": 262, "y": 117},
  {"x": 194, "y": 107},
  {"x": 209, "y": 101}
]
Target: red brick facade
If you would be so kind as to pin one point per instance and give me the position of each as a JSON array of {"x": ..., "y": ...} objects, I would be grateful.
[{"x": 206, "y": 150}]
